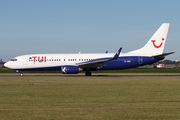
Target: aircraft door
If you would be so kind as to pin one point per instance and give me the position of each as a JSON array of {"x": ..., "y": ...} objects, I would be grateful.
[
  {"x": 25, "y": 61},
  {"x": 140, "y": 59}
]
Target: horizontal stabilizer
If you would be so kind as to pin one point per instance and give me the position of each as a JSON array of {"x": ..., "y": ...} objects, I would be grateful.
[{"x": 162, "y": 55}]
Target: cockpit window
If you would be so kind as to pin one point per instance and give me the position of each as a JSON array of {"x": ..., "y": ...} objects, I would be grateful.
[{"x": 13, "y": 59}]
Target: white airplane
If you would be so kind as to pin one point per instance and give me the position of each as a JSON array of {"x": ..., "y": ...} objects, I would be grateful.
[{"x": 73, "y": 63}]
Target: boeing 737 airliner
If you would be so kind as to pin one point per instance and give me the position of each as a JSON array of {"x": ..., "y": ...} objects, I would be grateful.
[{"x": 73, "y": 63}]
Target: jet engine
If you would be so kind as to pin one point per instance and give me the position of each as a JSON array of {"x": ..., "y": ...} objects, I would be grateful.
[{"x": 67, "y": 69}]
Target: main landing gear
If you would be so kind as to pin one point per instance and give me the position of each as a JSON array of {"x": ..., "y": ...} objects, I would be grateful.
[{"x": 87, "y": 73}]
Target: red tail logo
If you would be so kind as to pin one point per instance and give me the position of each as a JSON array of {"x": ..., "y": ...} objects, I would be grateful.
[{"x": 153, "y": 41}]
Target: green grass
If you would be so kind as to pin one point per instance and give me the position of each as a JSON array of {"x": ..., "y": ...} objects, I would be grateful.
[{"x": 90, "y": 98}]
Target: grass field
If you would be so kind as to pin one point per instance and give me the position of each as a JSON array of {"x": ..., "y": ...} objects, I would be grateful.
[{"x": 90, "y": 98}]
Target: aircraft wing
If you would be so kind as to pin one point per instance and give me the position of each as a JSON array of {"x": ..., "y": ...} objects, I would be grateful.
[{"x": 98, "y": 62}]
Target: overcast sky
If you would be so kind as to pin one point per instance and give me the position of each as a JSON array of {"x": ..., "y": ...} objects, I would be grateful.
[{"x": 89, "y": 26}]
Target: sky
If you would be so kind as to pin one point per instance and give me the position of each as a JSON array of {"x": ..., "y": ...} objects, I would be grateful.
[{"x": 89, "y": 26}]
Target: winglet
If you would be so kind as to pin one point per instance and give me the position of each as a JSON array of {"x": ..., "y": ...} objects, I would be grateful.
[{"x": 117, "y": 54}]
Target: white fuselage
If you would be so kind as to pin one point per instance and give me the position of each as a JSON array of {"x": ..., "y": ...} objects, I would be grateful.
[{"x": 52, "y": 60}]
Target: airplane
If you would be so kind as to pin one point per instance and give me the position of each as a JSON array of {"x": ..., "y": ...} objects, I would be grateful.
[{"x": 73, "y": 63}]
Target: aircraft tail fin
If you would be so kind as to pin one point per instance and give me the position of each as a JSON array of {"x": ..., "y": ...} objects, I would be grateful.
[{"x": 155, "y": 45}]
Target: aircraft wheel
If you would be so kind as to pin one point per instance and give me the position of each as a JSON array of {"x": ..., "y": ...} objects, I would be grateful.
[
  {"x": 21, "y": 74},
  {"x": 88, "y": 73}
]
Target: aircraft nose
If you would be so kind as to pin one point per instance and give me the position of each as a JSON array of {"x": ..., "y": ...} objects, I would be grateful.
[{"x": 7, "y": 64}]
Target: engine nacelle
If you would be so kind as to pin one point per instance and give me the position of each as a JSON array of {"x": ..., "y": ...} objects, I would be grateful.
[{"x": 67, "y": 69}]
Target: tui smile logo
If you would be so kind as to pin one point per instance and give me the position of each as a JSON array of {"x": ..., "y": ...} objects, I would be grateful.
[{"x": 157, "y": 46}]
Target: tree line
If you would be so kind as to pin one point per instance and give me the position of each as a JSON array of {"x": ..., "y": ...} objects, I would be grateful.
[{"x": 168, "y": 62}]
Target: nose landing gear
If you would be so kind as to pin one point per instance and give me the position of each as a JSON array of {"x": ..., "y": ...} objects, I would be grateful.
[
  {"x": 19, "y": 71},
  {"x": 21, "y": 74}
]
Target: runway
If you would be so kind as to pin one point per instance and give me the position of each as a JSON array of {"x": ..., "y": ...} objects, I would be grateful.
[{"x": 83, "y": 76}]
